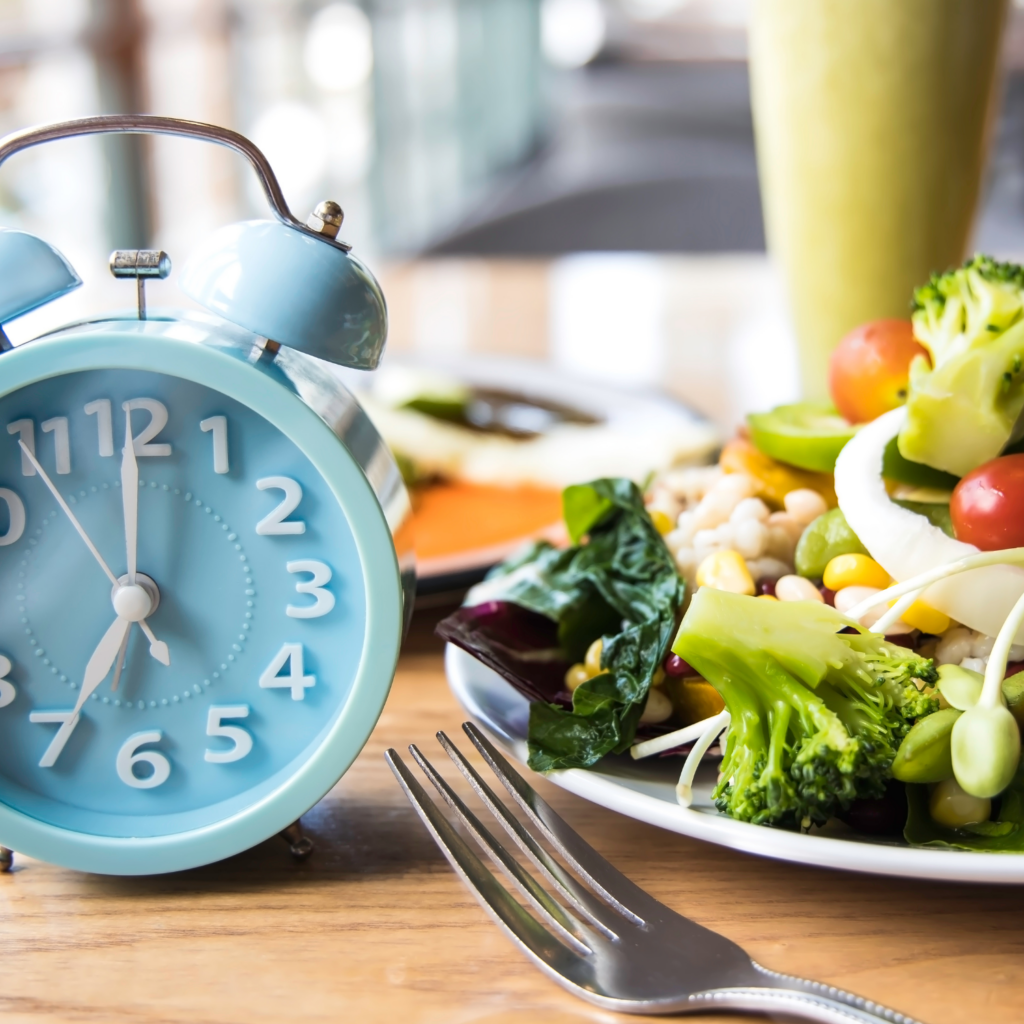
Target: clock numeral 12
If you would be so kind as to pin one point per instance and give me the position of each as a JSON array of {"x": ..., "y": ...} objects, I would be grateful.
[
  {"x": 157, "y": 421},
  {"x": 7, "y": 690},
  {"x": 296, "y": 680}
]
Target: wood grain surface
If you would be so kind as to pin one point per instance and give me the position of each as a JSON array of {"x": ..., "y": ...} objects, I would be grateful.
[{"x": 376, "y": 927}]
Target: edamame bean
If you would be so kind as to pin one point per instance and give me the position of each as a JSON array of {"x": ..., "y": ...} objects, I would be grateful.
[{"x": 925, "y": 755}]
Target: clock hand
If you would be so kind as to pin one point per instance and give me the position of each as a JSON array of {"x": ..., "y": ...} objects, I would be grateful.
[
  {"x": 67, "y": 511},
  {"x": 102, "y": 659},
  {"x": 130, "y": 497},
  {"x": 119, "y": 667},
  {"x": 156, "y": 647}
]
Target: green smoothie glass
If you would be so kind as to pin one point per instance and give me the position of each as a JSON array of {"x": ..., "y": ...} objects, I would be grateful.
[{"x": 872, "y": 118}]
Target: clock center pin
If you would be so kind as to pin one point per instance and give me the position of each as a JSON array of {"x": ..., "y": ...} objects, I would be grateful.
[{"x": 135, "y": 601}]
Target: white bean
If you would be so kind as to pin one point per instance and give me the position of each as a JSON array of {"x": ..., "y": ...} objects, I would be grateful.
[
  {"x": 657, "y": 708},
  {"x": 796, "y": 588},
  {"x": 770, "y": 568},
  {"x": 780, "y": 544},
  {"x": 954, "y": 646},
  {"x": 787, "y": 523},
  {"x": 750, "y": 508},
  {"x": 750, "y": 538},
  {"x": 981, "y": 645},
  {"x": 975, "y": 664},
  {"x": 805, "y": 505}
]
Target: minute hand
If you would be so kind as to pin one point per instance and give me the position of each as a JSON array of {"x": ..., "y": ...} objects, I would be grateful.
[{"x": 130, "y": 497}]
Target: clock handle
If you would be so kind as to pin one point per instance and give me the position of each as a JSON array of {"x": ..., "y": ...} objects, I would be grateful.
[{"x": 152, "y": 124}]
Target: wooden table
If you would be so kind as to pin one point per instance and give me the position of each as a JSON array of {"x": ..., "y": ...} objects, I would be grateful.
[{"x": 376, "y": 926}]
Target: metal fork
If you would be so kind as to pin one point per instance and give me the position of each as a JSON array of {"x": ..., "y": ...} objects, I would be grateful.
[{"x": 605, "y": 939}]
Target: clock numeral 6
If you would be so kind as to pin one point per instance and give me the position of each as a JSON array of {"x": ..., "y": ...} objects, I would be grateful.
[
  {"x": 7, "y": 690},
  {"x": 241, "y": 739},
  {"x": 297, "y": 681},
  {"x": 321, "y": 574},
  {"x": 129, "y": 756}
]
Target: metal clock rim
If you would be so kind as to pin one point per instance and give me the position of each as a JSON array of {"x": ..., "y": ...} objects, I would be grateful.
[{"x": 56, "y": 356}]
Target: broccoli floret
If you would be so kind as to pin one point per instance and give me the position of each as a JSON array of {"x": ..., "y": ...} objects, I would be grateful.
[
  {"x": 817, "y": 715},
  {"x": 963, "y": 409}
]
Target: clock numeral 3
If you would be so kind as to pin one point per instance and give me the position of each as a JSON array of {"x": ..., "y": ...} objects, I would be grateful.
[
  {"x": 274, "y": 524},
  {"x": 296, "y": 680},
  {"x": 7, "y": 690},
  {"x": 241, "y": 739},
  {"x": 315, "y": 588},
  {"x": 129, "y": 756},
  {"x": 15, "y": 517}
]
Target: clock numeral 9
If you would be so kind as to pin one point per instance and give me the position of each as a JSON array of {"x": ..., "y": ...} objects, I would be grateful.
[
  {"x": 7, "y": 690},
  {"x": 129, "y": 756}
]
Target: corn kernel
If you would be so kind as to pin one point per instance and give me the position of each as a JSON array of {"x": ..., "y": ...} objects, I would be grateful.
[
  {"x": 725, "y": 570},
  {"x": 577, "y": 675},
  {"x": 854, "y": 571},
  {"x": 592, "y": 661},
  {"x": 662, "y": 521},
  {"x": 925, "y": 618},
  {"x": 767, "y": 597}
]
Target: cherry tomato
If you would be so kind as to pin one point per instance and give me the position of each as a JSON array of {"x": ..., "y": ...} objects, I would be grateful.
[
  {"x": 987, "y": 508},
  {"x": 868, "y": 371}
]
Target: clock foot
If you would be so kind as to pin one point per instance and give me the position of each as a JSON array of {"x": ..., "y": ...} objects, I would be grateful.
[
  {"x": 6, "y": 859},
  {"x": 299, "y": 843}
]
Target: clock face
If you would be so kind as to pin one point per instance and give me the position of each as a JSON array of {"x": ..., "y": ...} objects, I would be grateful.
[{"x": 156, "y": 705}]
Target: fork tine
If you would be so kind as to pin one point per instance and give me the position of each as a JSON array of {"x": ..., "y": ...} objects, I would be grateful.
[
  {"x": 551, "y": 910},
  {"x": 627, "y": 897},
  {"x": 580, "y": 898},
  {"x": 526, "y": 931}
]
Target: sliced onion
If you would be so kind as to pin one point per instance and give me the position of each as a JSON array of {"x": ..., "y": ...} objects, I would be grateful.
[{"x": 906, "y": 544}]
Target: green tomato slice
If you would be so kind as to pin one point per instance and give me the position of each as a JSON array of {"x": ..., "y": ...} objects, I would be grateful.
[{"x": 804, "y": 434}]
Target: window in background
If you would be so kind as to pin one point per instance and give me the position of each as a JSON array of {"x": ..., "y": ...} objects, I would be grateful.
[{"x": 457, "y": 103}]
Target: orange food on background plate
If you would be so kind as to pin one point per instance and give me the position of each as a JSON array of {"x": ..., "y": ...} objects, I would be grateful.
[{"x": 459, "y": 517}]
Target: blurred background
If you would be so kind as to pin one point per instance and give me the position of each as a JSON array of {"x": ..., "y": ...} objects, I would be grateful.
[{"x": 529, "y": 177}]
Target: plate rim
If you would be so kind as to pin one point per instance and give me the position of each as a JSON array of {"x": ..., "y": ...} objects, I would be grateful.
[{"x": 862, "y": 856}]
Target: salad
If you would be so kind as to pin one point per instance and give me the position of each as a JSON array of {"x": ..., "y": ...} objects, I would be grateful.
[{"x": 835, "y": 609}]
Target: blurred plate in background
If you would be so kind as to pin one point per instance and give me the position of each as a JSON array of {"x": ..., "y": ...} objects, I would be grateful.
[{"x": 488, "y": 444}]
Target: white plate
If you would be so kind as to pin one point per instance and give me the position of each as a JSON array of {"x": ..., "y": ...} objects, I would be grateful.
[
  {"x": 645, "y": 790},
  {"x": 640, "y": 431}
]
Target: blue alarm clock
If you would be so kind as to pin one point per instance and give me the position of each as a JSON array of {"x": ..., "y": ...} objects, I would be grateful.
[{"x": 204, "y": 571}]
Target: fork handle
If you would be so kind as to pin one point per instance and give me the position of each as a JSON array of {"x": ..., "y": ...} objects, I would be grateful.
[{"x": 843, "y": 1008}]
